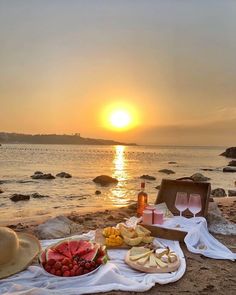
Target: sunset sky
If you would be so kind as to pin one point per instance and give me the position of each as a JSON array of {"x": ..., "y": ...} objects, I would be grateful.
[{"x": 65, "y": 66}]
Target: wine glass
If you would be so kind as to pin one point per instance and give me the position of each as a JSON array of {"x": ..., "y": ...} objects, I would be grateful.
[
  {"x": 181, "y": 202},
  {"x": 195, "y": 204}
]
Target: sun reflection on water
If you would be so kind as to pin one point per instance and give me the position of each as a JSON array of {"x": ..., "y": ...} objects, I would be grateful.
[{"x": 119, "y": 193}]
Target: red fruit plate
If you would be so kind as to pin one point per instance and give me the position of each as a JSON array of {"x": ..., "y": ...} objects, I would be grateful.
[{"x": 76, "y": 276}]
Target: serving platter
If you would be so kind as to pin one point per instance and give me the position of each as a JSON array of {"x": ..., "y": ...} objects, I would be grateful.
[{"x": 172, "y": 266}]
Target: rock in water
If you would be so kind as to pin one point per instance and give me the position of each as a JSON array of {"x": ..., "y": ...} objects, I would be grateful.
[
  {"x": 229, "y": 169},
  {"x": 38, "y": 196},
  {"x": 64, "y": 175},
  {"x": 217, "y": 223},
  {"x": 38, "y": 172},
  {"x": 42, "y": 175},
  {"x": 218, "y": 192},
  {"x": 105, "y": 180},
  {"x": 232, "y": 163},
  {"x": 167, "y": 171},
  {"x": 229, "y": 152},
  {"x": 19, "y": 197},
  {"x": 199, "y": 177},
  {"x": 232, "y": 193},
  {"x": 58, "y": 227},
  {"x": 148, "y": 177}
]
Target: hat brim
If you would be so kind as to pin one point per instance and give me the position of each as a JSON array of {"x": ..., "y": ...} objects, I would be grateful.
[{"x": 29, "y": 248}]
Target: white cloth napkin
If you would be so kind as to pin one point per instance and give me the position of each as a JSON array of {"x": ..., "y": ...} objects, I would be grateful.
[
  {"x": 115, "y": 275},
  {"x": 198, "y": 239}
]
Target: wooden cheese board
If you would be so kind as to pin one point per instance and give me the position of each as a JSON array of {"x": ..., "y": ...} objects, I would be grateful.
[{"x": 172, "y": 266}]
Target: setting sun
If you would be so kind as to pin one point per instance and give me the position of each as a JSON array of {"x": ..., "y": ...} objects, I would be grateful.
[
  {"x": 120, "y": 119},
  {"x": 120, "y": 116}
]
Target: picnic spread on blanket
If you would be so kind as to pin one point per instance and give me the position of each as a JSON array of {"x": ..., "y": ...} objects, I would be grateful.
[{"x": 129, "y": 256}]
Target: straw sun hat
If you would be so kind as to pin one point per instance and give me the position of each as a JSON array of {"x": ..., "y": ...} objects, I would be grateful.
[{"x": 17, "y": 250}]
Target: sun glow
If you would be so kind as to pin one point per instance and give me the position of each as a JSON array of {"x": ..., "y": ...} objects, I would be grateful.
[{"x": 120, "y": 117}]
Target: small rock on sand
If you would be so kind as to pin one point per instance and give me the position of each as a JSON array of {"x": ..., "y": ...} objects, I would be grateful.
[
  {"x": 1, "y": 191},
  {"x": 172, "y": 162},
  {"x": 158, "y": 187},
  {"x": 217, "y": 223},
  {"x": 19, "y": 197},
  {"x": 218, "y": 192},
  {"x": 167, "y": 171},
  {"x": 97, "y": 192},
  {"x": 42, "y": 176},
  {"x": 229, "y": 169},
  {"x": 105, "y": 180},
  {"x": 57, "y": 227},
  {"x": 199, "y": 177},
  {"x": 232, "y": 193},
  {"x": 64, "y": 175},
  {"x": 148, "y": 177}
]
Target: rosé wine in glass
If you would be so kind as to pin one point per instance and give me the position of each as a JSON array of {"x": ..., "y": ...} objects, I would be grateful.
[
  {"x": 195, "y": 204},
  {"x": 181, "y": 202}
]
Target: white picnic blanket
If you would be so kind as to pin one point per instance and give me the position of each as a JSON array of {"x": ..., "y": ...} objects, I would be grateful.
[
  {"x": 198, "y": 239},
  {"x": 115, "y": 275}
]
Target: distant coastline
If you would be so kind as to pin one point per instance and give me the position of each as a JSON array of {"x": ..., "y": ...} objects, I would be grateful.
[{"x": 6, "y": 138}]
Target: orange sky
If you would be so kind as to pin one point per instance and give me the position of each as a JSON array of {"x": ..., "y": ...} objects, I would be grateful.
[{"x": 62, "y": 64}]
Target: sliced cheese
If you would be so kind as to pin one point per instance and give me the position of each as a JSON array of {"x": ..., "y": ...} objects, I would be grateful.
[
  {"x": 138, "y": 250},
  {"x": 139, "y": 256},
  {"x": 165, "y": 258},
  {"x": 161, "y": 251},
  {"x": 172, "y": 258},
  {"x": 160, "y": 263},
  {"x": 152, "y": 261},
  {"x": 143, "y": 260}
]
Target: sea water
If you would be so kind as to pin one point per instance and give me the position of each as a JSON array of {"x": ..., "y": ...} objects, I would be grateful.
[{"x": 126, "y": 163}]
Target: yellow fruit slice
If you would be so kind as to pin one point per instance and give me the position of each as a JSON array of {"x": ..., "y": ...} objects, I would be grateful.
[
  {"x": 142, "y": 231},
  {"x": 147, "y": 239},
  {"x": 127, "y": 232},
  {"x": 108, "y": 231},
  {"x": 132, "y": 241}
]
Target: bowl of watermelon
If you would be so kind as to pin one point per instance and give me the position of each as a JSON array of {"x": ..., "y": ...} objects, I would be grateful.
[{"x": 70, "y": 258}]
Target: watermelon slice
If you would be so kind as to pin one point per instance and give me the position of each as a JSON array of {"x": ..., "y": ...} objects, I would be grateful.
[
  {"x": 52, "y": 254},
  {"x": 84, "y": 247},
  {"x": 91, "y": 254},
  {"x": 75, "y": 245},
  {"x": 63, "y": 248}
]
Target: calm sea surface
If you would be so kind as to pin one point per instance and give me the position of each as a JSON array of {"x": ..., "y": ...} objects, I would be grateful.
[{"x": 127, "y": 164}]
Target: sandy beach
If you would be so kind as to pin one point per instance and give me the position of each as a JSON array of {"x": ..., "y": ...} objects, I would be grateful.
[{"x": 203, "y": 275}]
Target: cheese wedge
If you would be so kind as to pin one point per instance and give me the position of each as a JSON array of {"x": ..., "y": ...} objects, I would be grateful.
[
  {"x": 143, "y": 261},
  {"x": 139, "y": 256},
  {"x": 152, "y": 261},
  {"x": 164, "y": 258},
  {"x": 160, "y": 263},
  {"x": 160, "y": 252},
  {"x": 138, "y": 250}
]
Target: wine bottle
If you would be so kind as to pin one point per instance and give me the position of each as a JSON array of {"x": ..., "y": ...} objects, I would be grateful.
[{"x": 142, "y": 200}]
